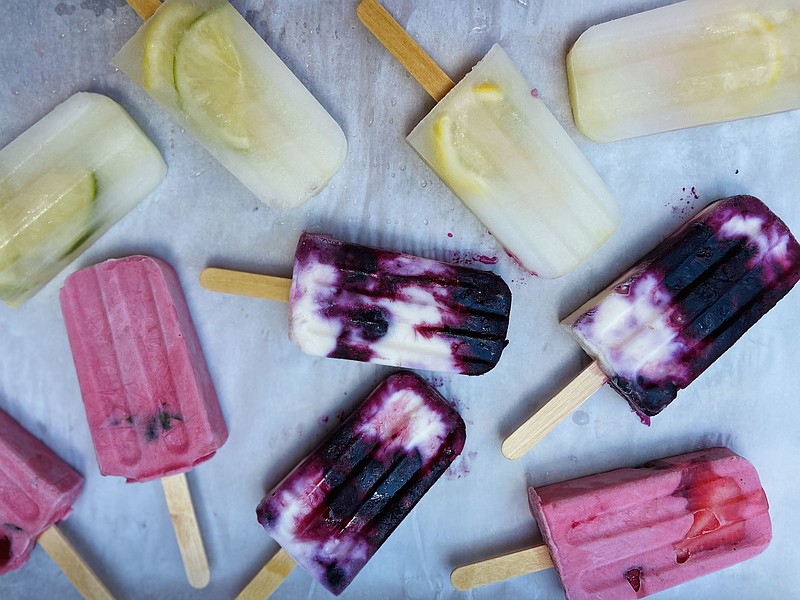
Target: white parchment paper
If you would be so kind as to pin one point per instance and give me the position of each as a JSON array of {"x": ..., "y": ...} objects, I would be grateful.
[{"x": 279, "y": 403}]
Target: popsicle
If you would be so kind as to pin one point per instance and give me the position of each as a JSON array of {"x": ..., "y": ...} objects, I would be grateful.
[
  {"x": 37, "y": 491},
  {"x": 203, "y": 64},
  {"x": 337, "y": 507},
  {"x": 63, "y": 183},
  {"x": 630, "y": 533},
  {"x": 149, "y": 398},
  {"x": 664, "y": 321},
  {"x": 686, "y": 64},
  {"x": 495, "y": 144},
  {"x": 371, "y": 305}
]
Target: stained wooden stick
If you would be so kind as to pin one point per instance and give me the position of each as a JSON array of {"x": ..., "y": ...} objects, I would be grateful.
[
  {"x": 145, "y": 8},
  {"x": 246, "y": 284},
  {"x": 73, "y": 566},
  {"x": 556, "y": 410},
  {"x": 187, "y": 531},
  {"x": 269, "y": 578},
  {"x": 501, "y": 568},
  {"x": 397, "y": 41}
]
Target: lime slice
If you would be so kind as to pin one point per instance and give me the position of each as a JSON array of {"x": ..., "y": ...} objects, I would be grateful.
[
  {"x": 46, "y": 214},
  {"x": 164, "y": 32},
  {"x": 213, "y": 88}
]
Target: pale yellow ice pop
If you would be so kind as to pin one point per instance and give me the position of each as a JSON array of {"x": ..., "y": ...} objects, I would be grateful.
[
  {"x": 691, "y": 63},
  {"x": 497, "y": 146},
  {"x": 204, "y": 64}
]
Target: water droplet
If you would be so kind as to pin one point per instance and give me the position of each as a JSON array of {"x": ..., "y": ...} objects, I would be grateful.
[
  {"x": 425, "y": 221},
  {"x": 424, "y": 183},
  {"x": 402, "y": 167},
  {"x": 580, "y": 417},
  {"x": 394, "y": 101}
]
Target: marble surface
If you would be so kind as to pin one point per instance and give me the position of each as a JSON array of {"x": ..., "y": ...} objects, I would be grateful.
[{"x": 279, "y": 403}]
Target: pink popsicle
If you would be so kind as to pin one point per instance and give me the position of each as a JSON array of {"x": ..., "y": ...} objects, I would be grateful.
[
  {"x": 629, "y": 533},
  {"x": 149, "y": 398},
  {"x": 37, "y": 490}
]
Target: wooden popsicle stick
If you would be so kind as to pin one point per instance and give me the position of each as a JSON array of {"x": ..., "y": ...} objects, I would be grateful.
[
  {"x": 246, "y": 284},
  {"x": 145, "y": 8},
  {"x": 187, "y": 531},
  {"x": 269, "y": 578},
  {"x": 553, "y": 412},
  {"x": 73, "y": 566},
  {"x": 501, "y": 568},
  {"x": 397, "y": 41}
]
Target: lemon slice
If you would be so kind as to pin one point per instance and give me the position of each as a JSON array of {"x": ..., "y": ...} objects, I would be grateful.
[
  {"x": 164, "y": 32},
  {"x": 49, "y": 214},
  {"x": 460, "y": 162},
  {"x": 754, "y": 49},
  {"x": 212, "y": 85}
]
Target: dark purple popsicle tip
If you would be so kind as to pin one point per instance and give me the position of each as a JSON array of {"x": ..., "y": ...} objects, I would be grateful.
[{"x": 336, "y": 508}]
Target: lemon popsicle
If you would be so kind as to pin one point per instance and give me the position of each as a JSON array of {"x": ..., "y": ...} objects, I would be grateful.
[
  {"x": 495, "y": 144},
  {"x": 63, "y": 183},
  {"x": 204, "y": 64},
  {"x": 508, "y": 159},
  {"x": 691, "y": 63}
]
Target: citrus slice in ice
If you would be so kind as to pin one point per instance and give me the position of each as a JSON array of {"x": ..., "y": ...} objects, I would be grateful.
[
  {"x": 164, "y": 32},
  {"x": 213, "y": 87},
  {"x": 754, "y": 52},
  {"x": 461, "y": 163},
  {"x": 49, "y": 213}
]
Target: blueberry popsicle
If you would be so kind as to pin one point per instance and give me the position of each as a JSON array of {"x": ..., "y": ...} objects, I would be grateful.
[
  {"x": 63, "y": 183},
  {"x": 203, "y": 64},
  {"x": 690, "y": 63},
  {"x": 668, "y": 318},
  {"x": 500, "y": 150},
  {"x": 37, "y": 491},
  {"x": 629, "y": 533},
  {"x": 372, "y": 305},
  {"x": 149, "y": 398},
  {"x": 337, "y": 507}
]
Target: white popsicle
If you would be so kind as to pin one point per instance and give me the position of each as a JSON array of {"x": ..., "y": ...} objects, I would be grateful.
[
  {"x": 63, "y": 183},
  {"x": 686, "y": 64},
  {"x": 509, "y": 160},
  {"x": 204, "y": 64}
]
